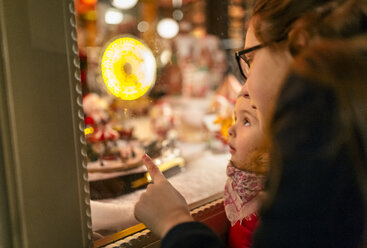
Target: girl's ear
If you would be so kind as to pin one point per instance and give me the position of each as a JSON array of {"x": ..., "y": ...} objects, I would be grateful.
[{"x": 298, "y": 39}]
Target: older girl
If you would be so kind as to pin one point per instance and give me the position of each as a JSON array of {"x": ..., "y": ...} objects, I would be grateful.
[{"x": 286, "y": 213}]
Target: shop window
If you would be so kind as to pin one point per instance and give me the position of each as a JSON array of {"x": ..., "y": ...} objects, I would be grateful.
[{"x": 181, "y": 121}]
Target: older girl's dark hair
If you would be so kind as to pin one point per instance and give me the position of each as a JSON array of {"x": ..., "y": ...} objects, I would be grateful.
[
  {"x": 332, "y": 21},
  {"x": 299, "y": 22},
  {"x": 274, "y": 19}
]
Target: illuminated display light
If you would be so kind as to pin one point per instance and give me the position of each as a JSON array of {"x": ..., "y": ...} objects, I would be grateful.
[
  {"x": 167, "y": 28},
  {"x": 88, "y": 130},
  {"x": 165, "y": 56},
  {"x": 113, "y": 16},
  {"x": 128, "y": 68},
  {"x": 124, "y": 4},
  {"x": 177, "y": 14},
  {"x": 143, "y": 26},
  {"x": 176, "y": 3},
  {"x": 89, "y": 2}
]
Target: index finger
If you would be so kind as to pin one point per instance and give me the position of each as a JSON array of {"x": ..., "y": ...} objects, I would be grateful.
[{"x": 152, "y": 168}]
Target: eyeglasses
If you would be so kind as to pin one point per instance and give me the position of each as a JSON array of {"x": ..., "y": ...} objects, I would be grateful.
[{"x": 243, "y": 62}]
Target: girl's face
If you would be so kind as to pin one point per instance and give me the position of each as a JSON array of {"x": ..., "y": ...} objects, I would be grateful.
[
  {"x": 268, "y": 70},
  {"x": 245, "y": 135}
]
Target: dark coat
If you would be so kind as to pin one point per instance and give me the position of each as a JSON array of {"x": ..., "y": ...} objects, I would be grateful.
[{"x": 317, "y": 202}]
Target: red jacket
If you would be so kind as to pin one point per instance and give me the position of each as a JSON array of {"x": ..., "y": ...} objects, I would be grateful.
[{"x": 240, "y": 235}]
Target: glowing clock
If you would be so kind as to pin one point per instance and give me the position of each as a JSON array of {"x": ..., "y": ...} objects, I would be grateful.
[{"x": 128, "y": 67}]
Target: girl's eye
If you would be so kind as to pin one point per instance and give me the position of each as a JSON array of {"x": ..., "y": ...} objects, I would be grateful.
[
  {"x": 249, "y": 61},
  {"x": 246, "y": 122}
]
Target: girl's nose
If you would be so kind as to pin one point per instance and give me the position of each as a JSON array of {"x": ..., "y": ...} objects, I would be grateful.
[
  {"x": 244, "y": 91},
  {"x": 231, "y": 132}
]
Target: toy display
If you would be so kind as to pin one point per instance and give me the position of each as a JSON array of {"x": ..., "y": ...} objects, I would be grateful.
[{"x": 114, "y": 151}]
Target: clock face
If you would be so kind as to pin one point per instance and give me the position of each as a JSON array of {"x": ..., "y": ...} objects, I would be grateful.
[{"x": 128, "y": 68}]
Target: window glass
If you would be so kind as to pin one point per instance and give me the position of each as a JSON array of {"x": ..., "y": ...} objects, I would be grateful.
[{"x": 158, "y": 77}]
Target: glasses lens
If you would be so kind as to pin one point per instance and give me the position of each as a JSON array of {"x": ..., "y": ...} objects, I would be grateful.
[
  {"x": 244, "y": 66},
  {"x": 240, "y": 64}
]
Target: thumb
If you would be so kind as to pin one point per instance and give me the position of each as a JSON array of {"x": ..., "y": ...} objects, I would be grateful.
[{"x": 153, "y": 169}]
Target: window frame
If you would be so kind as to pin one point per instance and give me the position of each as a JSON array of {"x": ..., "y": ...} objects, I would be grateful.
[{"x": 44, "y": 191}]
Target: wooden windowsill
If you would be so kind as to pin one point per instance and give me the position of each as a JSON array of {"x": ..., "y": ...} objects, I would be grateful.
[{"x": 209, "y": 211}]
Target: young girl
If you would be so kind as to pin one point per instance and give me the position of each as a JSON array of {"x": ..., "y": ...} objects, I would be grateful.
[{"x": 246, "y": 174}]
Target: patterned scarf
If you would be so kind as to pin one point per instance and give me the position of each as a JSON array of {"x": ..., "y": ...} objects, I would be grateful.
[{"x": 241, "y": 199}]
